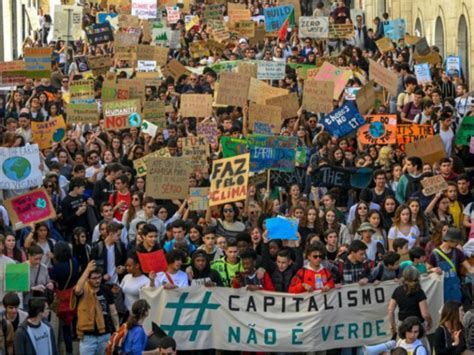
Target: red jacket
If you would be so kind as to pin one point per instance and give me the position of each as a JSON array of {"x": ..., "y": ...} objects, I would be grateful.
[
  {"x": 266, "y": 282},
  {"x": 308, "y": 276}
]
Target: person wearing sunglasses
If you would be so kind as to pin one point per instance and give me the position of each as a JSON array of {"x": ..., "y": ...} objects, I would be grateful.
[{"x": 314, "y": 276}]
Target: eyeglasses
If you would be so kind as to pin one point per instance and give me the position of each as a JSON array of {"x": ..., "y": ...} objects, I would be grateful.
[
  {"x": 254, "y": 212},
  {"x": 228, "y": 210},
  {"x": 316, "y": 256}
]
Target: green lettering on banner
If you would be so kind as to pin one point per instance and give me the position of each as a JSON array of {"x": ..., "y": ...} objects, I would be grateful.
[
  {"x": 379, "y": 331},
  {"x": 252, "y": 338},
  {"x": 294, "y": 335},
  {"x": 325, "y": 332},
  {"x": 353, "y": 328},
  {"x": 367, "y": 330},
  {"x": 270, "y": 336},
  {"x": 234, "y": 335},
  {"x": 336, "y": 332}
]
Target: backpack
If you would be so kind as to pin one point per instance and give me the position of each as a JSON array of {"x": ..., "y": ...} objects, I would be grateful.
[
  {"x": 413, "y": 186},
  {"x": 116, "y": 341}
]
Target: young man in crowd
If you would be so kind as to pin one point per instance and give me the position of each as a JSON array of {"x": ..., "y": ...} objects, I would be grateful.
[{"x": 230, "y": 264}]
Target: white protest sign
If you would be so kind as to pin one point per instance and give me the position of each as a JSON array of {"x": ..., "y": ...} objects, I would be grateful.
[
  {"x": 20, "y": 167},
  {"x": 422, "y": 72},
  {"x": 149, "y": 128},
  {"x": 218, "y": 318},
  {"x": 267, "y": 70},
  {"x": 144, "y": 9},
  {"x": 313, "y": 27}
]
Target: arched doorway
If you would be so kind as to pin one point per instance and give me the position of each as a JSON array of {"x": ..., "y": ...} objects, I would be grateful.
[
  {"x": 463, "y": 47},
  {"x": 418, "y": 28},
  {"x": 439, "y": 36}
]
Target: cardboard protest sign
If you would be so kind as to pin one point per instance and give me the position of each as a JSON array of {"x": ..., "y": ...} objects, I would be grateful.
[
  {"x": 209, "y": 130},
  {"x": 233, "y": 89},
  {"x": 380, "y": 129},
  {"x": 237, "y": 14},
  {"x": 384, "y": 44},
  {"x": 453, "y": 65},
  {"x": 259, "y": 91},
  {"x": 313, "y": 27},
  {"x": 32, "y": 207},
  {"x": 267, "y": 70},
  {"x": 140, "y": 164},
  {"x": 199, "y": 49},
  {"x": 99, "y": 33},
  {"x": 20, "y": 167},
  {"x": 125, "y": 20},
  {"x": 122, "y": 114},
  {"x": 340, "y": 77},
  {"x": 272, "y": 152},
  {"x": 341, "y": 30},
  {"x": 465, "y": 132},
  {"x": 383, "y": 77},
  {"x": 430, "y": 150},
  {"x": 395, "y": 29},
  {"x": 409, "y": 133},
  {"x": 153, "y": 262},
  {"x": 412, "y": 40},
  {"x": 199, "y": 198},
  {"x": 167, "y": 178},
  {"x": 82, "y": 113},
  {"x": 318, "y": 96},
  {"x": 196, "y": 105},
  {"x": 245, "y": 28},
  {"x": 434, "y": 184},
  {"x": 37, "y": 62},
  {"x": 282, "y": 228},
  {"x": 81, "y": 91},
  {"x": 229, "y": 179},
  {"x": 219, "y": 31},
  {"x": 144, "y": 9},
  {"x": 155, "y": 112},
  {"x": 48, "y": 132},
  {"x": 296, "y": 6},
  {"x": 67, "y": 22},
  {"x": 196, "y": 149},
  {"x": 233, "y": 146},
  {"x": 126, "y": 39},
  {"x": 423, "y": 73},
  {"x": 432, "y": 58},
  {"x": 288, "y": 103},
  {"x": 176, "y": 69},
  {"x": 422, "y": 48},
  {"x": 247, "y": 69},
  {"x": 213, "y": 12},
  {"x": 12, "y": 73},
  {"x": 270, "y": 115},
  {"x": 276, "y": 16},
  {"x": 342, "y": 121},
  {"x": 17, "y": 277},
  {"x": 100, "y": 64},
  {"x": 365, "y": 98}
]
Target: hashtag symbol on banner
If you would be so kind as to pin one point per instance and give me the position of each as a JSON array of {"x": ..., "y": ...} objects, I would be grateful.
[{"x": 195, "y": 328}]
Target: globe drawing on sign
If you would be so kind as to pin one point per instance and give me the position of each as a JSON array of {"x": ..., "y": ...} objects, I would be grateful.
[
  {"x": 376, "y": 129},
  {"x": 16, "y": 168},
  {"x": 134, "y": 120},
  {"x": 41, "y": 203},
  {"x": 58, "y": 135}
]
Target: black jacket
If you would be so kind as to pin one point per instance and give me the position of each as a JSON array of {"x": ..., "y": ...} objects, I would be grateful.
[
  {"x": 23, "y": 344},
  {"x": 99, "y": 252}
]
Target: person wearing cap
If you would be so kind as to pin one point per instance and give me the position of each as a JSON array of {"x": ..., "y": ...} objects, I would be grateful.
[
  {"x": 374, "y": 247},
  {"x": 200, "y": 272},
  {"x": 111, "y": 254},
  {"x": 448, "y": 258}
]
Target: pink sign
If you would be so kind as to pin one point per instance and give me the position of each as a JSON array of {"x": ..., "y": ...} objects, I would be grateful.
[
  {"x": 471, "y": 146},
  {"x": 340, "y": 77}
]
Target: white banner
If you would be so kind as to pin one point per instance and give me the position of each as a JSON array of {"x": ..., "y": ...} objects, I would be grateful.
[
  {"x": 267, "y": 70},
  {"x": 239, "y": 320},
  {"x": 20, "y": 167},
  {"x": 313, "y": 27}
]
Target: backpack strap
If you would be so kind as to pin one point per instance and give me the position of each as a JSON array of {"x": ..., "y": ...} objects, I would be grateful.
[
  {"x": 441, "y": 254},
  {"x": 170, "y": 280}
]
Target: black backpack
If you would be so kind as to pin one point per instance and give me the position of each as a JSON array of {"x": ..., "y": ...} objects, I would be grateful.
[{"x": 413, "y": 186}]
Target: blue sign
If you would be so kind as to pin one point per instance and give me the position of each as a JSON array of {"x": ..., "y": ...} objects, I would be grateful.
[
  {"x": 105, "y": 16},
  {"x": 453, "y": 65},
  {"x": 276, "y": 16},
  {"x": 272, "y": 152},
  {"x": 423, "y": 73},
  {"x": 395, "y": 29},
  {"x": 343, "y": 121},
  {"x": 282, "y": 228}
]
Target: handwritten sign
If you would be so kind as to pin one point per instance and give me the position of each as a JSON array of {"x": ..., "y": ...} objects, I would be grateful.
[
  {"x": 276, "y": 16},
  {"x": 37, "y": 62},
  {"x": 341, "y": 30},
  {"x": 153, "y": 262},
  {"x": 229, "y": 179},
  {"x": 17, "y": 277},
  {"x": 99, "y": 33},
  {"x": 209, "y": 130},
  {"x": 199, "y": 198},
  {"x": 196, "y": 149},
  {"x": 173, "y": 13},
  {"x": 232, "y": 146},
  {"x": 167, "y": 178},
  {"x": 422, "y": 72},
  {"x": 434, "y": 184},
  {"x": 196, "y": 105},
  {"x": 430, "y": 150},
  {"x": 453, "y": 65},
  {"x": 343, "y": 121},
  {"x": 395, "y": 29},
  {"x": 380, "y": 129},
  {"x": 32, "y": 207},
  {"x": 48, "y": 132},
  {"x": 155, "y": 112},
  {"x": 466, "y": 131},
  {"x": 340, "y": 77},
  {"x": 245, "y": 28},
  {"x": 144, "y": 9},
  {"x": 12, "y": 72},
  {"x": 270, "y": 115},
  {"x": 318, "y": 96},
  {"x": 81, "y": 91},
  {"x": 288, "y": 103},
  {"x": 272, "y": 152},
  {"x": 313, "y": 27},
  {"x": 383, "y": 77},
  {"x": 122, "y": 114},
  {"x": 384, "y": 44},
  {"x": 140, "y": 164},
  {"x": 267, "y": 70},
  {"x": 409, "y": 133},
  {"x": 82, "y": 113},
  {"x": 365, "y": 98},
  {"x": 233, "y": 89}
]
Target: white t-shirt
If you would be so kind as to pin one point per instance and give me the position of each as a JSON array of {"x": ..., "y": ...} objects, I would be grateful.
[
  {"x": 410, "y": 348},
  {"x": 395, "y": 233},
  {"x": 468, "y": 211},
  {"x": 131, "y": 287},
  {"x": 371, "y": 251},
  {"x": 180, "y": 279},
  {"x": 447, "y": 138}
]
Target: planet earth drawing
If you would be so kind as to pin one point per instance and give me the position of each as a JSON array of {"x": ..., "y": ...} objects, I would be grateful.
[
  {"x": 16, "y": 168},
  {"x": 376, "y": 129},
  {"x": 134, "y": 120},
  {"x": 58, "y": 136}
]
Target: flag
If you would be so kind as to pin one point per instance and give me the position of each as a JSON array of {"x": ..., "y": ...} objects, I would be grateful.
[{"x": 290, "y": 21}]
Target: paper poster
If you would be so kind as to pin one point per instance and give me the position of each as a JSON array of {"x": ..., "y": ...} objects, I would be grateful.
[
  {"x": 32, "y": 207},
  {"x": 12, "y": 73},
  {"x": 267, "y": 70},
  {"x": 149, "y": 128},
  {"x": 270, "y": 115},
  {"x": 45, "y": 134},
  {"x": 199, "y": 197},
  {"x": 318, "y": 96},
  {"x": 259, "y": 91},
  {"x": 229, "y": 179},
  {"x": 153, "y": 262},
  {"x": 465, "y": 132},
  {"x": 434, "y": 184},
  {"x": 272, "y": 152},
  {"x": 82, "y": 113},
  {"x": 423, "y": 73},
  {"x": 196, "y": 149},
  {"x": 384, "y": 44},
  {"x": 343, "y": 121},
  {"x": 122, "y": 114},
  {"x": 37, "y": 62},
  {"x": 81, "y": 92},
  {"x": 196, "y": 105},
  {"x": 99, "y": 33},
  {"x": 67, "y": 23},
  {"x": 233, "y": 89},
  {"x": 174, "y": 14},
  {"x": 313, "y": 27},
  {"x": 288, "y": 103},
  {"x": 168, "y": 178},
  {"x": 453, "y": 65},
  {"x": 340, "y": 77},
  {"x": 209, "y": 130},
  {"x": 20, "y": 167},
  {"x": 144, "y": 9},
  {"x": 383, "y": 77},
  {"x": 282, "y": 228},
  {"x": 379, "y": 129},
  {"x": 155, "y": 112},
  {"x": 395, "y": 29},
  {"x": 140, "y": 164},
  {"x": 276, "y": 16},
  {"x": 17, "y": 277}
]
